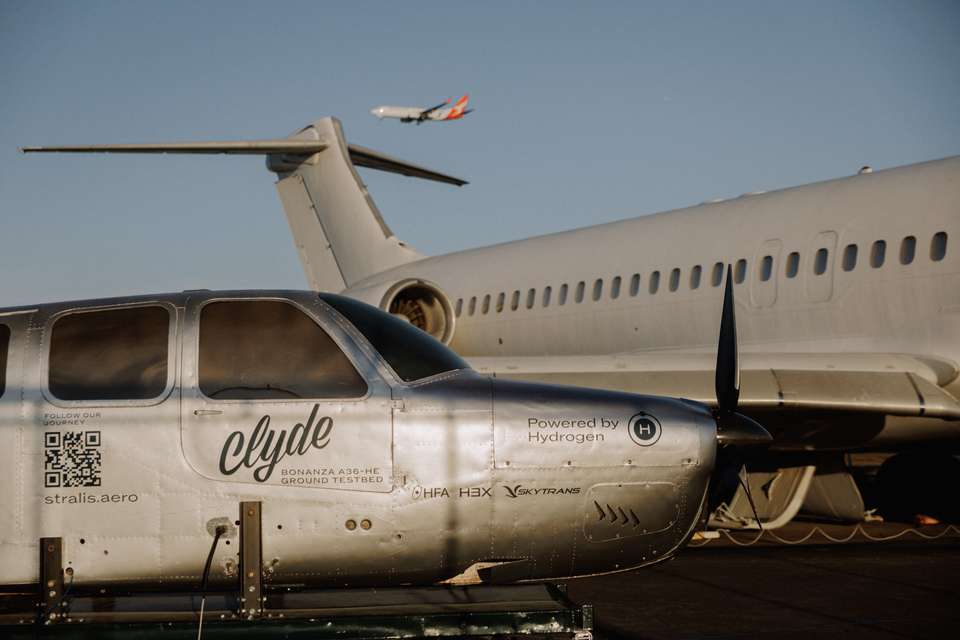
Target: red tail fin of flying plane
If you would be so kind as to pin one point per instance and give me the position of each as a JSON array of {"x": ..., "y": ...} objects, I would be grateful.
[{"x": 459, "y": 109}]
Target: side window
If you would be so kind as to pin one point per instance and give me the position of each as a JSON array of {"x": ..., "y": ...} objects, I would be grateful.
[
  {"x": 515, "y": 300},
  {"x": 265, "y": 349},
  {"x": 580, "y": 287},
  {"x": 635, "y": 285},
  {"x": 597, "y": 289},
  {"x": 459, "y": 307},
  {"x": 531, "y": 298},
  {"x": 850, "y": 257},
  {"x": 114, "y": 354},
  {"x": 615, "y": 288},
  {"x": 938, "y": 246},
  {"x": 4, "y": 345},
  {"x": 908, "y": 249},
  {"x": 546, "y": 296},
  {"x": 674, "y": 279},
  {"x": 766, "y": 268},
  {"x": 740, "y": 271},
  {"x": 654, "y": 283},
  {"x": 793, "y": 264},
  {"x": 878, "y": 253},
  {"x": 563, "y": 295},
  {"x": 472, "y": 307},
  {"x": 820, "y": 261},
  {"x": 486, "y": 304},
  {"x": 501, "y": 300},
  {"x": 717, "y": 276},
  {"x": 695, "y": 277}
]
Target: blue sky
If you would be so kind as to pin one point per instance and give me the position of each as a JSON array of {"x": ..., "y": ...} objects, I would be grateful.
[{"x": 585, "y": 113}]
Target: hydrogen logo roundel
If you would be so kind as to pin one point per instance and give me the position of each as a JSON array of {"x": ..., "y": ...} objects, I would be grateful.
[{"x": 644, "y": 429}]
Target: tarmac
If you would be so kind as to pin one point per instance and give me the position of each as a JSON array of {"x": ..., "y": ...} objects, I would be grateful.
[{"x": 907, "y": 586}]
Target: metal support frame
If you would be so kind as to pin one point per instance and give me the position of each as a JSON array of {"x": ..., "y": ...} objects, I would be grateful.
[
  {"x": 251, "y": 561},
  {"x": 51, "y": 579}
]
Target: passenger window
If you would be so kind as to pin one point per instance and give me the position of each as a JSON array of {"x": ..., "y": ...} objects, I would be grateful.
[
  {"x": 878, "y": 253},
  {"x": 740, "y": 271},
  {"x": 850, "y": 257},
  {"x": 472, "y": 307},
  {"x": 563, "y": 295},
  {"x": 820, "y": 261},
  {"x": 515, "y": 300},
  {"x": 546, "y": 296},
  {"x": 265, "y": 349},
  {"x": 695, "y": 277},
  {"x": 793, "y": 264},
  {"x": 459, "y": 307},
  {"x": 501, "y": 300},
  {"x": 674, "y": 279},
  {"x": 597, "y": 289},
  {"x": 486, "y": 304},
  {"x": 615, "y": 288},
  {"x": 717, "y": 277},
  {"x": 938, "y": 246},
  {"x": 580, "y": 287},
  {"x": 531, "y": 298},
  {"x": 4, "y": 346},
  {"x": 115, "y": 354},
  {"x": 908, "y": 249},
  {"x": 766, "y": 268},
  {"x": 654, "y": 282},
  {"x": 635, "y": 285}
]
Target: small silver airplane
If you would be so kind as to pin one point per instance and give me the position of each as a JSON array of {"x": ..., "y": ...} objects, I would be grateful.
[
  {"x": 421, "y": 115},
  {"x": 134, "y": 426}
]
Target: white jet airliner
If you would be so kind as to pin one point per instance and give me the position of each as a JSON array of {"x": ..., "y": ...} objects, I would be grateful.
[
  {"x": 419, "y": 114},
  {"x": 849, "y": 306}
]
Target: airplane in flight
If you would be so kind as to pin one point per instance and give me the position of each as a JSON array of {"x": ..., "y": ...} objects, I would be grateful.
[
  {"x": 849, "y": 308},
  {"x": 136, "y": 426},
  {"x": 421, "y": 115}
]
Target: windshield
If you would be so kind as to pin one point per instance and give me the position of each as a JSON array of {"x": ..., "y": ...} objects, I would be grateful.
[{"x": 411, "y": 353}]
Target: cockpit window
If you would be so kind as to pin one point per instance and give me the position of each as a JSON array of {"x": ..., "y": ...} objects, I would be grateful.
[
  {"x": 411, "y": 353},
  {"x": 4, "y": 345},
  {"x": 270, "y": 350}
]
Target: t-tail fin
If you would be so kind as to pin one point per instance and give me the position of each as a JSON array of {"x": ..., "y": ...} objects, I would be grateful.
[{"x": 340, "y": 236}]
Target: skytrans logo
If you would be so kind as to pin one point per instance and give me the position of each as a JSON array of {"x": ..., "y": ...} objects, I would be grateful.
[{"x": 519, "y": 491}]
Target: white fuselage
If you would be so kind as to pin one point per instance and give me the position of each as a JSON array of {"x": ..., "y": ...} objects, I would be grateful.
[
  {"x": 508, "y": 297},
  {"x": 410, "y": 113}
]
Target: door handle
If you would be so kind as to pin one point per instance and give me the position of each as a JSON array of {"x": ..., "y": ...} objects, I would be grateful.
[{"x": 206, "y": 412}]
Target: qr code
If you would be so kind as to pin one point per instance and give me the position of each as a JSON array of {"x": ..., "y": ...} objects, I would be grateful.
[{"x": 72, "y": 459}]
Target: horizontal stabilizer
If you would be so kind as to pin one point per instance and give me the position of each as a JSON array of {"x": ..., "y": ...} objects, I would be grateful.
[
  {"x": 363, "y": 157},
  {"x": 249, "y": 147},
  {"x": 360, "y": 156}
]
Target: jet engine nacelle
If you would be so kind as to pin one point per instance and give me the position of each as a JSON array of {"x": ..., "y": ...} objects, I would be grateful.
[{"x": 420, "y": 302}]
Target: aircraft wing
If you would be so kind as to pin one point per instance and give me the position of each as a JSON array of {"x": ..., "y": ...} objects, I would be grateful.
[
  {"x": 427, "y": 112},
  {"x": 854, "y": 384}
]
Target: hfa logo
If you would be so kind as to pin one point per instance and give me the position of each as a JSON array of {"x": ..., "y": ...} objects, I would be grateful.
[{"x": 644, "y": 429}]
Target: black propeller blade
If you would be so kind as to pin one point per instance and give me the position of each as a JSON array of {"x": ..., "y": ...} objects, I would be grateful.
[{"x": 732, "y": 427}]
